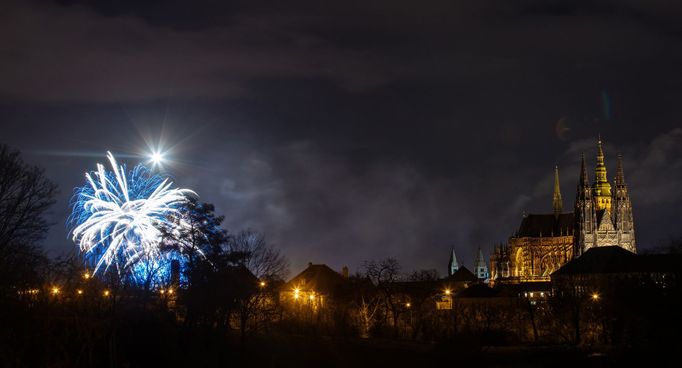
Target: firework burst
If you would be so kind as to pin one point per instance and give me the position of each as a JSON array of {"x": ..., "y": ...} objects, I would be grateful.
[{"x": 117, "y": 217}]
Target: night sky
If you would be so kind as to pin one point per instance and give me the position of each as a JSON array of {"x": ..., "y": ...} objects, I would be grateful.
[{"x": 355, "y": 130}]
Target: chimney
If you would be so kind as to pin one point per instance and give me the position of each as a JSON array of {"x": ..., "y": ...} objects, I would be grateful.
[{"x": 344, "y": 272}]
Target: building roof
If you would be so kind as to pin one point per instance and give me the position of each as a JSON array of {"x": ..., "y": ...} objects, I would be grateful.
[
  {"x": 462, "y": 275},
  {"x": 317, "y": 277},
  {"x": 546, "y": 225},
  {"x": 614, "y": 259},
  {"x": 477, "y": 291}
]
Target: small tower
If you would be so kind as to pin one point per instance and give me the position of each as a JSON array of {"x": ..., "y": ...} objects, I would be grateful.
[
  {"x": 453, "y": 266},
  {"x": 480, "y": 267},
  {"x": 557, "y": 203}
]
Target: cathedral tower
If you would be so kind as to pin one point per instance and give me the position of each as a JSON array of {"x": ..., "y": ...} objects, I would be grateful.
[
  {"x": 603, "y": 217},
  {"x": 622, "y": 210},
  {"x": 584, "y": 212}
]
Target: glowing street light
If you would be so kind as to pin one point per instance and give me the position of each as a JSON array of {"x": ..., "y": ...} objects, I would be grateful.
[
  {"x": 79, "y": 292},
  {"x": 408, "y": 305},
  {"x": 55, "y": 290},
  {"x": 86, "y": 275},
  {"x": 170, "y": 291},
  {"x": 106, "y": 293},
  {"x": 262, "y": 284},
  {"x": 296, "y": 292},
  {"x": 447, "y": 292},
  {"x": 595, "y": 297}
]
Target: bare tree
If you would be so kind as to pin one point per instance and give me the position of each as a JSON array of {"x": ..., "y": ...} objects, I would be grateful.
[
  {"x": 249, "y": 249},
  {"x": 25, "y": 197},
  {"x": 384, "y": 274}
]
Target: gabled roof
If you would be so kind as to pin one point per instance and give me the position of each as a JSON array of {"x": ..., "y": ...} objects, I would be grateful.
[
  {"x": 242, "y": 275},
  {"x": 612, "y": 259},
  {"x": 604, "y": 220},
  {"x": 462, "y": 275},
  {"x": 317, "y": 277},
  {"x": 546, "y": 225}
]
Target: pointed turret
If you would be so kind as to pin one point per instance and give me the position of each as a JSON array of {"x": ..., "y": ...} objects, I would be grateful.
[
  {"x": 620, "y": 174},
  {"x": 584, "y": 180},
  {"x": 557, "y": 203},
  {"x": 453, "y": 266}
]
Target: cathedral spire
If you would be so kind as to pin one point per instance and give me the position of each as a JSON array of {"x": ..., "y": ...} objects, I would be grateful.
[
  {"x": 453, "y": 266},
  {"x": 557, "y": 203},
  {"x": 620, "y": 174}
]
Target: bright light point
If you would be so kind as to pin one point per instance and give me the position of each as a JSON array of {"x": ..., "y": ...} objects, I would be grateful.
[
  {"x": 408, "y": 305},
  {"x": 595, "y": 296},
  {"x": 447, "y": 292},
  {"x": 55, "y": 290},
  {"x": 170, "y": 291},
  {"x": 106, "y": 292},
  {"x": 162, "y": 291},
  {"x": 262, "y": 283},
  {"x": 157, "y": 158},
  {"x": 79, "y": 291},
  {"x": 311, "y": 297}
]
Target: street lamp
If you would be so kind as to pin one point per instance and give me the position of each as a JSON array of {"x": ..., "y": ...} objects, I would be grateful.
[{"x": 595, "y": 297}]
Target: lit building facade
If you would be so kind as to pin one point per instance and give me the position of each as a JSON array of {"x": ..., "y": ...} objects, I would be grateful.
[{"x": 602, "y": 216}]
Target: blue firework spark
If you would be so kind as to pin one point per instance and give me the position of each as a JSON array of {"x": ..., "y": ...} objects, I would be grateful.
[{"x": 117, "y": 218}]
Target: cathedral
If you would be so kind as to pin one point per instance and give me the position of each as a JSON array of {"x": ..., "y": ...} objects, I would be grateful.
[{"x": 602, "y": 216}]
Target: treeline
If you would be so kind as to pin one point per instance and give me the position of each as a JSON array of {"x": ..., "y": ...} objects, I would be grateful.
[{"x": 229, "y": 300}]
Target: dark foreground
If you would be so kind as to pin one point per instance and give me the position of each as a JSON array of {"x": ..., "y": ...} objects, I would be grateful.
[{"x": 149, "y": 342}]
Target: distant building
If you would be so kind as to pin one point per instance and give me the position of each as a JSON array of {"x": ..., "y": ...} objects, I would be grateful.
[
  {"x": 453, "y": 266},
  {"x": 315, "y": 286},
  {"x": 481, "y": 267},
  {"x": 602, "y": 217}
]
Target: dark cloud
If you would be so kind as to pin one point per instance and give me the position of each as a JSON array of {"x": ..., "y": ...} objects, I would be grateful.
[{"x": 355, "y": 130}]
